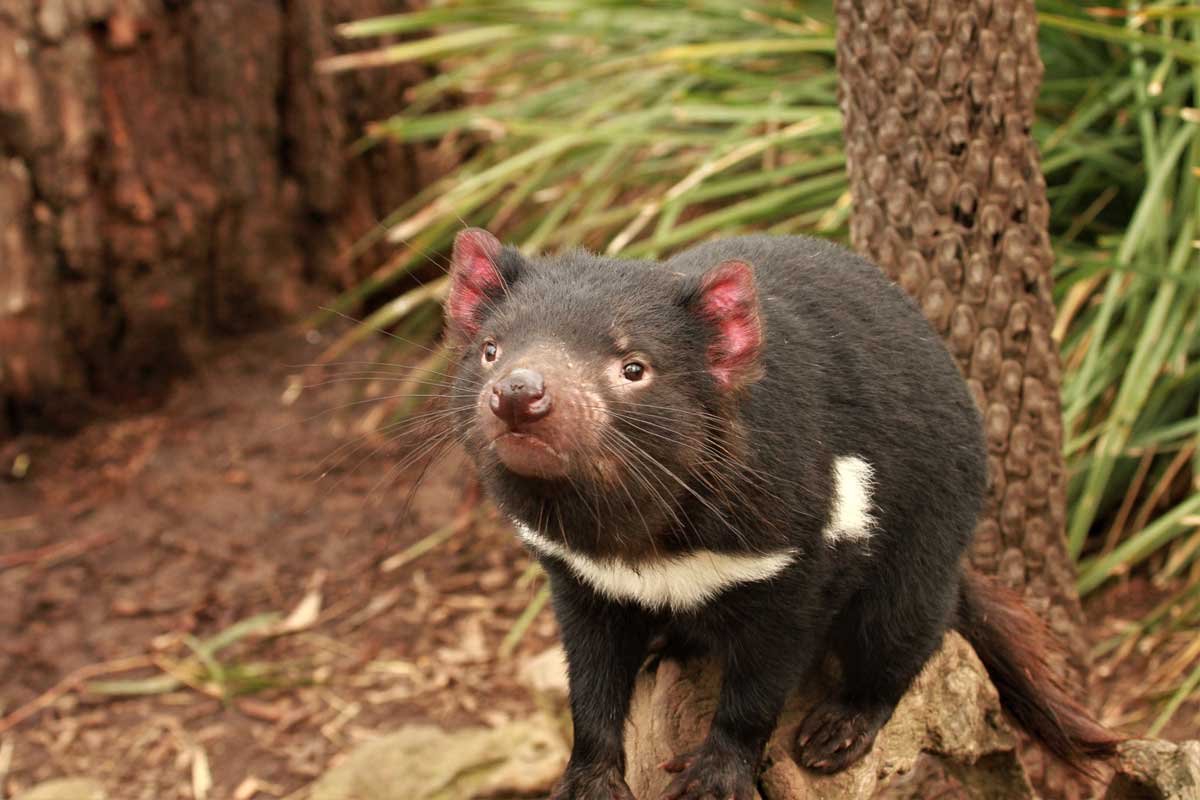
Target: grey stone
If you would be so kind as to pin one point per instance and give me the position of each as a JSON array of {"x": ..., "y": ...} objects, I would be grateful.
[
  {"x": 54, "y": 18},
  {"x": 65, "y": 789},
  {"x": 57, "y": 18},
  {"x": 1151, "y": 769},
  {"x": 545, "y": 675},
  {"x": 425, "y": 762}
]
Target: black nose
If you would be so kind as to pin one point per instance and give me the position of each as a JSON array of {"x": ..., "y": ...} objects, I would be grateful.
[{"x": 520, "y": 397}]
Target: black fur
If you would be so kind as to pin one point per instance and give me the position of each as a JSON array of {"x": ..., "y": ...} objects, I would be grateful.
[{"x": 849, "y": 366}]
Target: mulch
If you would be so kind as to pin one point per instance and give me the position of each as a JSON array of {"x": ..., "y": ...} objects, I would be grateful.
[{"x": 239, "y": 507}]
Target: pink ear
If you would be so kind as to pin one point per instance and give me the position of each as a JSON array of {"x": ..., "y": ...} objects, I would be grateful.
[
  {"x": 474, "y": 276},
  {"x": 728, "y": 301}
]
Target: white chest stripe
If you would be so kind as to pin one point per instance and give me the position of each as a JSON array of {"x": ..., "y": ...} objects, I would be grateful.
[
  {"x": 852, "y": 516},
  {"x": 686, "y": 582},
  {"x": 681, "y": 583}
]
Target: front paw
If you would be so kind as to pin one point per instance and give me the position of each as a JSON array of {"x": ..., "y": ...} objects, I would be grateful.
[
  {"x": 592, "y": 783},
  {"x": 705, "y": 774},
  {"x": 834, "y": 735}
]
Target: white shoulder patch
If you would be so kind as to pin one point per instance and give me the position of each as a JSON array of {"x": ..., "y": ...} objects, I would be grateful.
[
  {"x": 680, "y": 583},
  {"x": 852, "y": 516}
]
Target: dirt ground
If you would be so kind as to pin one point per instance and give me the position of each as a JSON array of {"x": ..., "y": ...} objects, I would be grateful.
[{"x": 126, "y": 549}]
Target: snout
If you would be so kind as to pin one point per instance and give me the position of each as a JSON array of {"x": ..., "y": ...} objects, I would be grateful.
[
  {"x": 543, "y": 418},
  {"x": 520, "y": 398}
]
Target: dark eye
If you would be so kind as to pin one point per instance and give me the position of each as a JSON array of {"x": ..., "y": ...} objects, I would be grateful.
[
  {"x": 490, "y": 351},
  {"x": 633, "y": 371}
]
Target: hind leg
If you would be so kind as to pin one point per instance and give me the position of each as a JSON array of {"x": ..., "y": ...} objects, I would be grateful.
[{"x": 882, "y": 638}]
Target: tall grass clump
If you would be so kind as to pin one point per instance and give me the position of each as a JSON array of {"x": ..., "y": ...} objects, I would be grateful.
[{"x": 639, "y": 128}]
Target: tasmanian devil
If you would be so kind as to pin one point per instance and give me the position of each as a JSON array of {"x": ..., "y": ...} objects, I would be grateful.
[{"x": 759, "y": 448}]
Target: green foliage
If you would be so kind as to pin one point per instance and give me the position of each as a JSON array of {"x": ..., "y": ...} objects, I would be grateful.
[
  {"x": 204, "y": 672},
  {"x": 640, "y": 128}
]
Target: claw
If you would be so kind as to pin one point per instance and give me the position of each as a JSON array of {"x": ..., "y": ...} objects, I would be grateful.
[
  {"x": 592, "y": 783},
  {"x": 676, "y": 764},
  {"x": 834, "y": 736},
  {"x": 706, "y": 775}
]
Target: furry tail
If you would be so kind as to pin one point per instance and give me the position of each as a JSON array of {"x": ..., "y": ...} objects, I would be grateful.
[{"x": 1012, "y": 644}]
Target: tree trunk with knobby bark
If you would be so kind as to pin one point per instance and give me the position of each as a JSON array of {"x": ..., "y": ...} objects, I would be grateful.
[
  {"x": 171, "y": 170},
  {"x": 949, "y": 200}
]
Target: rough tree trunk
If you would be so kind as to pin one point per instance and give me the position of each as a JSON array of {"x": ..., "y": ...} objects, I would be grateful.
[
  {"x": 950, "y": 201},
  {"x": 170, "y": 170}
]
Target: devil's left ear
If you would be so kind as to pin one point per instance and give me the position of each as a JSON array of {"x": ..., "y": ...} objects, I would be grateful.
[
  {"x": 726, "y": 299},
  {"x": 475, "y": 278}
]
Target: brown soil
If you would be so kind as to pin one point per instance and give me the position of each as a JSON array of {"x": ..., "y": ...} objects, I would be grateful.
[
  {"x": 125, "y": 548},
  {"x": 122, "y": 544}
]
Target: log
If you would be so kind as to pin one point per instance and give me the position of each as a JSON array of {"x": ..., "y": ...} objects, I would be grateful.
[{"x": 951, "y": 716}]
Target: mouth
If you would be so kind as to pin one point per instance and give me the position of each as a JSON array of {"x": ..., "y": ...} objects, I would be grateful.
[{"x": 529, "y": 455}]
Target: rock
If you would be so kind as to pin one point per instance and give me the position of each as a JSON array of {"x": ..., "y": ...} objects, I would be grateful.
[
  {"x": 951, "y": 713},
  {"x": 58, "y": 17},
  {"x": 65, "y": 789},
  {"x": 546, "y": 676},
  {"x": 421, "y": 762},
  {"x": 1156, "y": 770},
  {"x": 54, "y": 19}
]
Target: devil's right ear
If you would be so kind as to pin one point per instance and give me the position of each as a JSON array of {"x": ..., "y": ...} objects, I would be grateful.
[{"x": 476, "y": 279}]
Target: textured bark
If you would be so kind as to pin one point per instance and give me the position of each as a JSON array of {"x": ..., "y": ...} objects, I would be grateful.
[
  {"x": 171, "y": 170},
  {"x": 949, "y": 199}
]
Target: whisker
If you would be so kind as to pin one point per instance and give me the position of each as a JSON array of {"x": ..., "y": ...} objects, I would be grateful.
[
  {"x": 388, "y": 333},
  {"x": 387, "y": 368},
  {"x": 396, "y": 470},
  {"x": 371, "y": 455},
  {"x": 719, "y": 449},
  {"x": 340, "y": 407},
  {"x": 611, "y": 452},
  {"x": 434, "y": 258},
  {"x": 446, "y": 446},
  {"x": 390, "y": 382},
  {"x": 689, "y": 412},
  {"x": 393, "y": 377},
  {"x": 395, "y": 430},
  {"x": 407, "y": 395},
  {"x": 688, "y": 488},
  {"x": 659, "y": 494}
]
